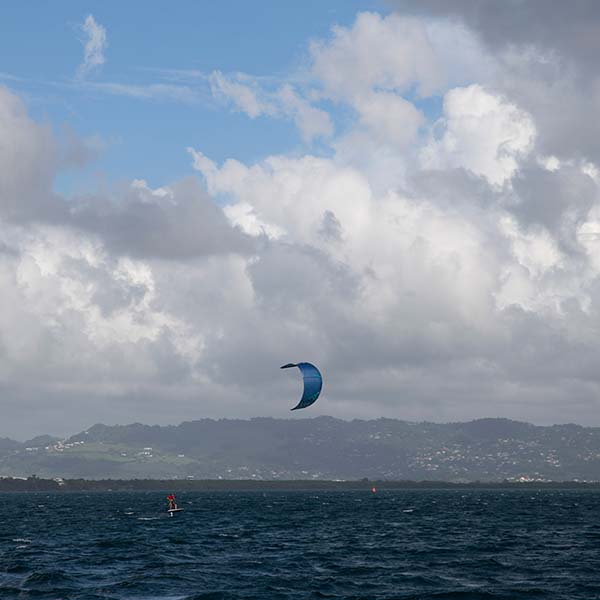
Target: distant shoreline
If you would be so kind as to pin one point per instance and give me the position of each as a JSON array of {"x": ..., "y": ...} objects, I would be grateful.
[{"x": 36, "y": 484}]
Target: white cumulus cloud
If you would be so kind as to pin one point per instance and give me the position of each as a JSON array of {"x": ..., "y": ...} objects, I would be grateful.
[{"x": 481, "y": 132}]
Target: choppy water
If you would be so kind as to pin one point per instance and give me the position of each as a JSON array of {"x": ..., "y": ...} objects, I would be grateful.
[{"x": 393, "y": 545}]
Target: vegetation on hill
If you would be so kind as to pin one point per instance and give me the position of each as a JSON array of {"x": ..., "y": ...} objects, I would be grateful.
[{"x": 322, "y": 448}]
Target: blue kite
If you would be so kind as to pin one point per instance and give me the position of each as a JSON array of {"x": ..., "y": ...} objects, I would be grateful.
[{"x": 313, "y": 382}]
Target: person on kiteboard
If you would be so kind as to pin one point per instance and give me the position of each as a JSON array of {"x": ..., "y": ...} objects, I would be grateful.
[{"x": 172, "y": 502}]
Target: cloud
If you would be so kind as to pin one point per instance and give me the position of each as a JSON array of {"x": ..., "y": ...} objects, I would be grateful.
[
  {"x": 481, "y": 133},
  {"x": 310, "y": 121},
  {"x": 153, "y": 91},
  {"x": 175, "y": 223},
  {"x": 391, "y": 118},
  {"x": 29, "y": 156},
  {"x": 568, "y": 31},
  {"x": 248, "y": 96},
  {"x": 371, "y": 67},
  {"x": 389, "y": 53},
  {"x": 438, "y": 257},
  {"x": 85, "y": 282},
  {"x": 94, "y": 46},
  {"x": 543, "y": 60},
  {"x": 243, "y": 92}
]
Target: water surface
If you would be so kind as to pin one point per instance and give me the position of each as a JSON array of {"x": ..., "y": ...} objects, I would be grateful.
[{"x": 391, "y": 545}]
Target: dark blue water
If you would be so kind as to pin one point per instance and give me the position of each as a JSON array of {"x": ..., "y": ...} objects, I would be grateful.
[{"x": 403, "y": 544}]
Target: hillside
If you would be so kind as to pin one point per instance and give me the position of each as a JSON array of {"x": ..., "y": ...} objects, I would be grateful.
[{"x": 319, "y": 448}]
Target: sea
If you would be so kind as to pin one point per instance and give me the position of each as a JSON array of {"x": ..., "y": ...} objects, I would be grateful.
[{"x": 407, "y": 544}]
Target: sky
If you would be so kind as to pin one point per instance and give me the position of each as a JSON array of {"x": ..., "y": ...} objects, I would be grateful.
[{"x": 405, "y": 193}]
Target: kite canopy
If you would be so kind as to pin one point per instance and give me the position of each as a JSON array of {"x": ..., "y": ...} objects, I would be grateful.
[{"x": 313, "y": 382}]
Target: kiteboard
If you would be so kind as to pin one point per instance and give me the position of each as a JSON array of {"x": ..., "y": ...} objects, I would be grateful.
[{"x": 174, "y": 510}]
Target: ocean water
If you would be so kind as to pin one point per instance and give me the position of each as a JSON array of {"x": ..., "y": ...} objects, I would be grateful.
[{"x": 301, "y": 545}]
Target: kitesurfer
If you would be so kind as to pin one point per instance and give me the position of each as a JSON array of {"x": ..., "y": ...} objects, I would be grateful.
[{"x": 172, "y": 502}]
